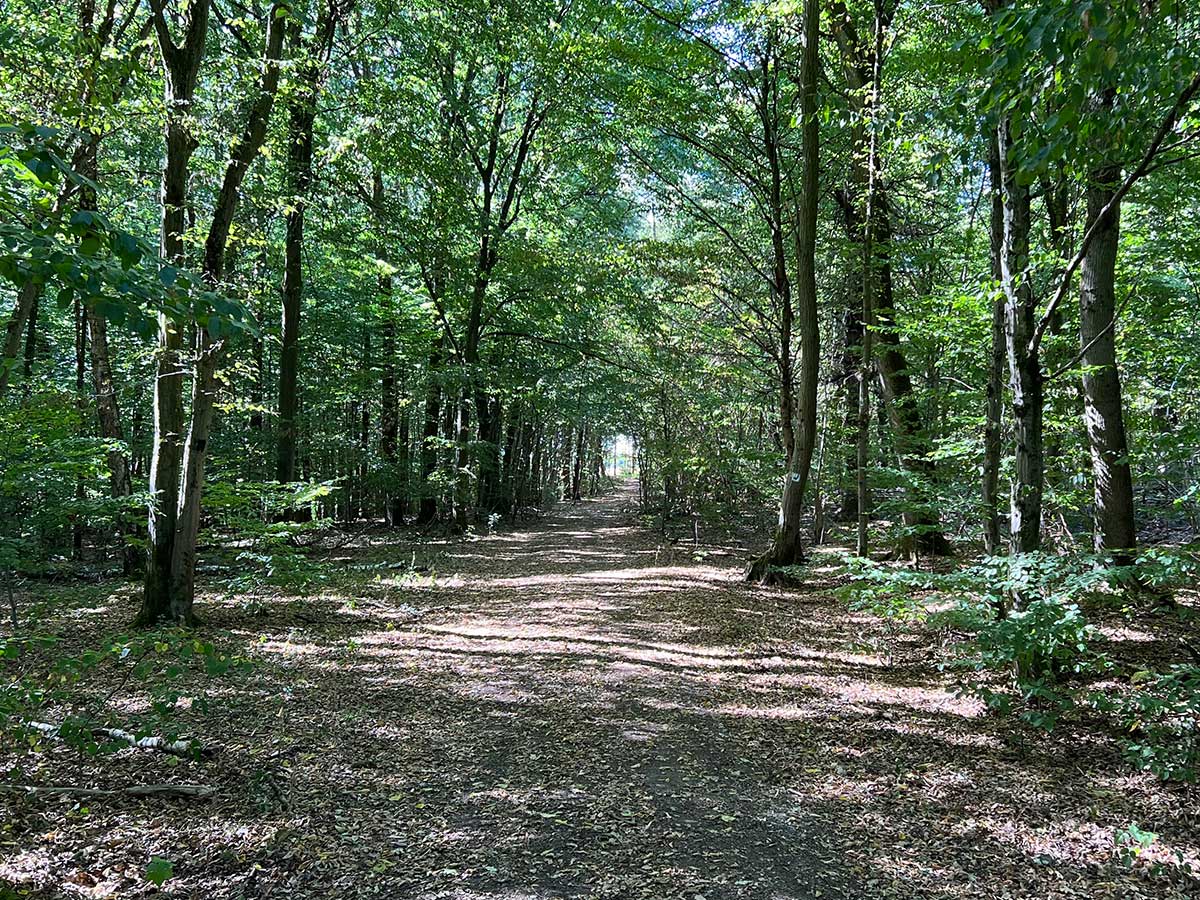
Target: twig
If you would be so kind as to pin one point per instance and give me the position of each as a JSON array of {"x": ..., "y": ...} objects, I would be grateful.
[
  {"x": 186, "y": 791},
  {"x": 1088, "y": 346},
  {"x": 186, "y": 749}
]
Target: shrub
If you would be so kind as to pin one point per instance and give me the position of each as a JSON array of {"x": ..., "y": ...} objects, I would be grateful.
[{"x": 1159, "y": 721}]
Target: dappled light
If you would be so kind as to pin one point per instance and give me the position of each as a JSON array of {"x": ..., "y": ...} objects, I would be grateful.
[
  {"x": 599, "y": 450},
  {"x": 507, "y": 731}
]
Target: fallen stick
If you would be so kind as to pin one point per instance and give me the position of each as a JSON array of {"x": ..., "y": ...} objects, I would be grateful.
[
  {"x": 186, "y": 749},
  {"x": 186, "y": 791}
]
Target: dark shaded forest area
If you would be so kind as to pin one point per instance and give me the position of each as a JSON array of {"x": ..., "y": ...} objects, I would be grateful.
[{"x": 504, "y": 450}]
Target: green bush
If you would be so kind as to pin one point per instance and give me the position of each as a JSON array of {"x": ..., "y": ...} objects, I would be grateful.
[
  {"x": 1045, "y": 648},
  {"x": 1160, "y": 720},
  {"x": 266, "y": 522}
]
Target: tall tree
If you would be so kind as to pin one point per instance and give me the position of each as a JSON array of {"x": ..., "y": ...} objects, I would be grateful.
[{"x": 177, "y": 466}]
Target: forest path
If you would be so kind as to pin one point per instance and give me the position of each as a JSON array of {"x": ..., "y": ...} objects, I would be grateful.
[{"x": 573, "y": 710}]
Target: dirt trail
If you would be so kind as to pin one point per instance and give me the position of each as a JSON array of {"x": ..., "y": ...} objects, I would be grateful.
[
  {"x": 565, "y": 725},
  {"x": 571, "y": 710}
]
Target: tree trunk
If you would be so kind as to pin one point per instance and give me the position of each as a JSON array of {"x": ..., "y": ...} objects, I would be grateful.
[
  {"x": 299, "y": 176},
  {"x": 177, "y": 468},
  {"x": 108, "y": 414},
  {"x": 787, "y": 548},
  {"x": 181, "y": 66},
  {"x": 389, "y": 422},
  {"x": 848, "y": 388},
  {"x": 913, "y": 444},
  {"x": 24, "y": 311},
  {"x": 487, "y": 455},
  {"x": 577, "y": 470},
  {"x": 462, "y": 473},
  {"x": 995, "y": 385},
  {"x": 396, "y": 482},
  {"x": 1025, "y": 373},
  {"x": 427, "y": 510},
  {"x": 364, "y": 434},
  {"x": 1115, "y": 530},
  {"x": 80, "y": 404}
]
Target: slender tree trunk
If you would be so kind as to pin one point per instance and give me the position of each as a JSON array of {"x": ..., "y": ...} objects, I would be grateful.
[
  {"x": 863, "y": 445},
  {"x": 403, "y": 462},
  {"x": 23, "y": 312},
  {"x": 787, "y": 547},
  {"x": 564, "y": 465},
  {"x": 364, "y": 434},
  {"x": 848, "y": 388},
  {"x": 177, "y": 470},
  {"x": 995, "y": 385},
  {"x": 396, "y": 481},
  {"x": 577, "y": 470},
  {"x": 462, "y": 474},
  {"x": 299, "y": 176},
  {"x": 1025, "y": 373},
  {"x": 427, "y": 509},
  {"x": 108, "y": 414},
  {"x": 1115, "y": 530},
  {"x": 30, "y": 346},
  {"x": 181, "y": 65},
  {"x": 912, "y": 440},
  {"x": 508, "y": 472},
  {"x": 390, "y": 413},
  {"x": 80, "y": 405}
]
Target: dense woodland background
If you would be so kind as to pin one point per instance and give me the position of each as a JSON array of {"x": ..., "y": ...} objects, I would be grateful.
[{"x": 895, "y": 298}]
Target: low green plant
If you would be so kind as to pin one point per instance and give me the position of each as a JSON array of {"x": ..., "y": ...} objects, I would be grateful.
[
  {"x": 268, "y": 523},
  {"x": 1131, "y": 842},
  {"x": 46, "y": 694},
  {"x": 1160, "y": 721},
  {"x": 891, "y": 592}
]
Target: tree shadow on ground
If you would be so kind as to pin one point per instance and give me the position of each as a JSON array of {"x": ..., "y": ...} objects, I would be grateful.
[{"x": 560, "y": 713}]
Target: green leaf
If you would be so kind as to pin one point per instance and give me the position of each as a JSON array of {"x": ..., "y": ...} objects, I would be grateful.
[{"x": 160, "y": 870}]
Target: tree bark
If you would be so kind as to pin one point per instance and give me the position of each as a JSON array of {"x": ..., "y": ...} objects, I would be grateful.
[
  {"x": 462, "y": 470},
  {"x": 427, "y": 509},
  {"x": 852, "y": 331},
  {"x": 171, "y": 568},
  {"x": 787, "y": 547},
  {"x": 181, "y": 67},
  {"x": 23, "y": 312},
  {"x": 301, "y": 116},
  {"x": 1025, "y": 373},
  {"x": 577, "y": 469},
  {"x": 1115, "y": 529},
  {"x": 990, "y": 488}
]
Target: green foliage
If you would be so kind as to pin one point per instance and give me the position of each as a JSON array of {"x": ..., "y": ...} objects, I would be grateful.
[
  {"x": 267, "y": 523},
  {"x": 1160, "y": 721},
  {"x": 890, "y": 592},
  {"x": 159, "y": 871},
  {"x": 1132, "y": 842},
  {"x": 1039, "y": 646},
  {"x": 1045, "y": 651},
  {"x": 44, "y": 461},
  {"x": 83, "y": 254},
  {"x": 44, "y": 684}
]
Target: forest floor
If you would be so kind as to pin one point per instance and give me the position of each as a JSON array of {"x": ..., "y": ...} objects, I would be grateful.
[{"x": 576, "y": 710}]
